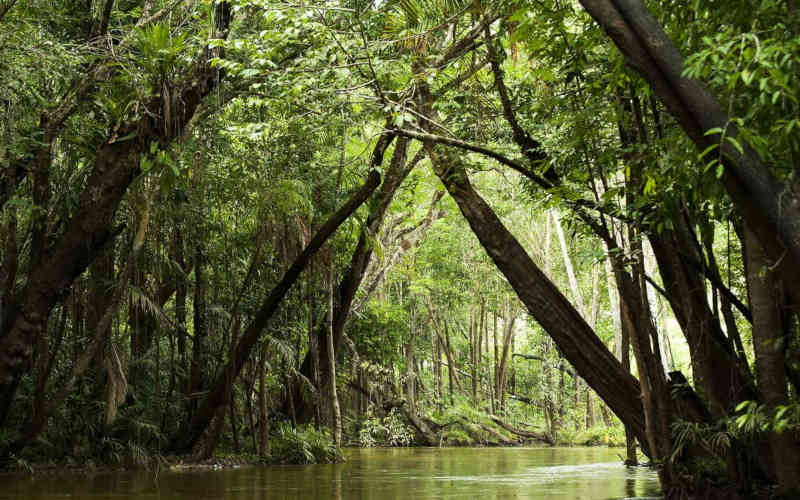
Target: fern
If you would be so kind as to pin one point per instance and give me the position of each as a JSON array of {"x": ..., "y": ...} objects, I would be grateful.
[{"x": 412, "y": 23}]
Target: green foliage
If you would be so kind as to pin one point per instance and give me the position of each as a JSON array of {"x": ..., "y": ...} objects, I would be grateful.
[
  {"x": 130, "y": 454},
  {"x": 714, "y": 438},
  {"x": 301, "y": 445},
  {"x": 387, "y": 431},
  {"x": 752, "y": 418},
  {"x": 749, "y": 424},
  {"x": 161, "y": 51},
  {"x": 755, "y": 71},
  {"x": 456, "y": 437},
  {"x": 411, "y": 22},
  {"x": 287, "y": 135},
  {"x": 613, "y": 436}
]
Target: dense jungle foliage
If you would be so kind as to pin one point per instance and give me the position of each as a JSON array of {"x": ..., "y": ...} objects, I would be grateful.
[{"x": 275, "y": 228}]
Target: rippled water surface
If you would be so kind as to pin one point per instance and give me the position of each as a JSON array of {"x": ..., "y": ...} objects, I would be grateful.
[{"x": 372, "y": 474}]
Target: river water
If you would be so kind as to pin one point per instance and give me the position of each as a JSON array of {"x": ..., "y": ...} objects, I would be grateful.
[{"x": 371, "y": 474}]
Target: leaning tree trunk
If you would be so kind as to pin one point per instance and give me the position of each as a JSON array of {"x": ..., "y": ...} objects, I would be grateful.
[
  {"x": 189, "y": 434},
  {"x": 576, "y": 340},
  {"x": 348, "y": 286},
  {"x": 768, "y": 206},
  {"x": 101, "y": 329}
]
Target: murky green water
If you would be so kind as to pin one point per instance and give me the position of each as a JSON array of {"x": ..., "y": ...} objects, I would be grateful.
[{"x": 372, "y": 474}]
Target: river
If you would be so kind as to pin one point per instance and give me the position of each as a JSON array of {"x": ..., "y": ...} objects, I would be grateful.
[{"x": 371, "y": 474}]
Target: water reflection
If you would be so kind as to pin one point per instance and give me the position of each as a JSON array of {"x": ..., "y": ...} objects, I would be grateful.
[
  {"x": 373, "y": 474},
  {"x": 630, "y": 486}
]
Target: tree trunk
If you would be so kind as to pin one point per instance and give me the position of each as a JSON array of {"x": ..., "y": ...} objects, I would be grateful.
[
  {"x": 100, "y": 330},
  {"x": 437, "y": 366},
  {"x": 336, "y": 411},
  {"x": 474, "y": 345},
  {"x": 769, "y": 322},
  {"x": 411, "y": 375},
  {"x": 200, "y": 358},
  {"x": 488, "y": 363},
  {"x": 450, "y": 363},
  {"x": 116, "y": 165},
  {"x": 577, "y": 296},
  {"x": 313, "y": 350},
  {"x": 180, "y": 304},
  {"x": 263, "y": 409},
  {"x": 625, "y": 358},
  {"x": 508, "y": 340},
  {"x": 589, "y": 409},
  {"x": 496, "y": 362}
]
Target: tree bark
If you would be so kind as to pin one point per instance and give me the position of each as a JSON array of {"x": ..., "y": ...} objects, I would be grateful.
[
  {"x": 769, "y": 323},
  {"x": 263, "y": 409},
  {"x": 523, "y": 433},
  {"x": 508, "y": 339},
  {"x": 336, "y": 411},
  {"x": 101, "y": 329},
  {"x": 199, "y": 357},
  {"x": 411, "y": 374}
]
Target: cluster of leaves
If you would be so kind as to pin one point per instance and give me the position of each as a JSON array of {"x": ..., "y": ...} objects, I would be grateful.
[
  {"x": 301, "y": 445},
  {"x": 390, "y": 430}
]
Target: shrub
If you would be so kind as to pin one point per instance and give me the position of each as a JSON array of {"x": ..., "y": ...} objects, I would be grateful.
[
  {"x": 397, "y": 432},
  {"x": 301, "y": 445},
  {"x": 456, "y": 437}
]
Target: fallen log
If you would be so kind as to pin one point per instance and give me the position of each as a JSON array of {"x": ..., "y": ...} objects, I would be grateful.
[
  {"x": 503, "y": 439},
  {"x": 543, "y": 437}
]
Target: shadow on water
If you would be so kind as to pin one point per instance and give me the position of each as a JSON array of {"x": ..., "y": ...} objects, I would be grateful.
[{"x": 373, "y": 474}]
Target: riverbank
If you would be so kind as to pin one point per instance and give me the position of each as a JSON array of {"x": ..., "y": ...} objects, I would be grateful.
[
  {"x": 228, "y": 460},
  {"x": 303, "y": 444},
  {"x": 553, "y": 473}
]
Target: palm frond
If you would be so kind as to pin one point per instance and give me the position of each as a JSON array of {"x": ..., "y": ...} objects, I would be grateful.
[
  {"x": 142, "y": 301},
  {"x": 412, "y": 23},
  {"x": 283, "y": 348}
]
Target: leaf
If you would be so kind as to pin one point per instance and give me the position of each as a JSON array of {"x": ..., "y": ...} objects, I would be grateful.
[
  {"x": 707, "y": 150},
  {"x": 736, "y": 144},
  {"x": 649, "y": 186},
  {"x": 127, "y": 137}
]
